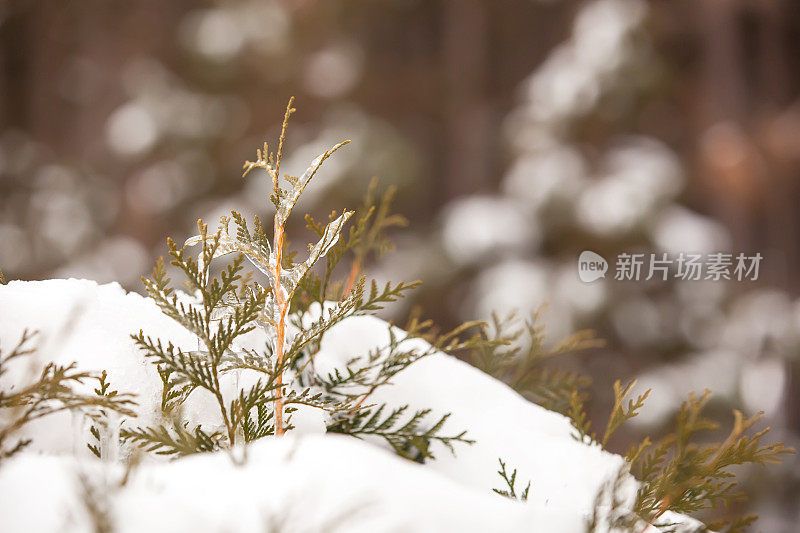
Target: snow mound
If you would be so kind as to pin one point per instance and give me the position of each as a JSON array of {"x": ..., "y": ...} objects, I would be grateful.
[
  {"x": 306, "y": 482},
  {"x": 314, "y": 483}
]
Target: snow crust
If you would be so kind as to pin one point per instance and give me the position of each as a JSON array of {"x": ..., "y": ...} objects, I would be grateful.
[{"x": 307, "y": 481}]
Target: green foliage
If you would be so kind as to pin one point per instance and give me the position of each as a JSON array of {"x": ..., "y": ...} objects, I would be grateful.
[
  {"x": 620, "y": 412},
  {"x": 685, "y": 476},
  {"x": 2, "y": 278},
  {"x": 366, "y": 236},
  {"x": 221, "y": 309},
  {"x": 371, "y": 230},
  {"x": 511, "y": 480},
  {"x": 409, "y": 439},
  {"x": 579, "y": 419},
  {"x": 678, "y": 473},
  {"x": 100, "y": 422},
  {"x": 54, "y": 391},
  {"x": 177, "y": 440},
  {"x": 358, "y": 302},
  {"x": 736, "y": 525},
  {"x": 518, "y": 356},
  {"x": 363, "y": 375}
]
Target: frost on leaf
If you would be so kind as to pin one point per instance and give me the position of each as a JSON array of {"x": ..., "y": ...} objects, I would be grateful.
[
  {"x": 288, "y": 198},
  {"x": 329, "y": 238},
  {"x": 259, "y": 253}
]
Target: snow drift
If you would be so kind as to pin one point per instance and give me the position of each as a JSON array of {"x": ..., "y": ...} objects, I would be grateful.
[{"x": 307, "y": 481}]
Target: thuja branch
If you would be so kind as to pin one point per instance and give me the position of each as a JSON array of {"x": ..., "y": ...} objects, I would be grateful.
[
  {"x": 681, "y": 472},
  {"x": 285, "y": 281},
  {"x": 369, "y": 232},
  {"x": 223, "y": 308}
]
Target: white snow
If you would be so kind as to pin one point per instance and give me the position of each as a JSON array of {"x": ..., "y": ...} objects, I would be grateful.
[
  {"x": 555, "y": 174},
  {"x": 640, "y": 175},
  {"x": 131, "y": 130},
  {"x": 577, "y": 72},
  {"x": 677, "y": 230},
  {"x": 482, "y": 226},
  {"x": 522, "y": 286},
  {"x": 307, "y": 481}
]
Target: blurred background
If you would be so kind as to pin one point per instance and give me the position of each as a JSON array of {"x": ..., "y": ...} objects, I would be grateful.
[{"x": 518, "y": 133}]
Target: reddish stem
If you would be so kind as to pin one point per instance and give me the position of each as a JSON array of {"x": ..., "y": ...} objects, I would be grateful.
[
  {"x": 281, "y": 326},
  {"x": 355, "y": 270}
]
